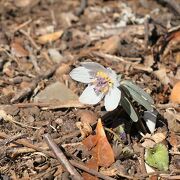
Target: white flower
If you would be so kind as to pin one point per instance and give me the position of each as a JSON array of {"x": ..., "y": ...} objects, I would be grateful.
[{"x": 101, "y": 82}]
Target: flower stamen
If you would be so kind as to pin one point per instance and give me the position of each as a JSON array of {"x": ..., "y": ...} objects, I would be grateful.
[{"x": 102, "y": 82}]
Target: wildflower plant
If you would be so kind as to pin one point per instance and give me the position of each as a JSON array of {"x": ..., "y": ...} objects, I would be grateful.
[{"x": 105, "y": 83}]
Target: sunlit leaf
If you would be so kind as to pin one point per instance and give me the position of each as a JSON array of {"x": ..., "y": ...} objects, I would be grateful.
[
  {"x": 137, "y": 97},
  {"x": 158, "y": 157}
]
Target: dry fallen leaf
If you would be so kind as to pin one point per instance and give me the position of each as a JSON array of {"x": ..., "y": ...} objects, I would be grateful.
[
  {"x": 84, "y": 128},
  {"x": 151, "y": 140},
  {"x": 111, "y": 45},
  {"x": 162, "y": 75},
  {"x": 49, "y": 37},
  {"x": 18, "y": 50},
  {"x": 92, "y": 164},
  {"x": 175, "y": 94},
  {"x": 87, "y": 116},
  {"x": 102, "y": 153},
  {"x": 173, "y": 119},
  {"x": 173, "y": 140},
  {"x": 177, "y": 58},
  {"x": 105, "y": 152},
  {"x": 90, "y": 141}
]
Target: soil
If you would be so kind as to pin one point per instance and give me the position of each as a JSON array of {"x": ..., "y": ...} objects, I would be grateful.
[{"x": 138, "y": 39}]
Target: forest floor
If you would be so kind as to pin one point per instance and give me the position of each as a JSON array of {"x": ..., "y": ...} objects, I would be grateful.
[{"x": 41, "y": 42}]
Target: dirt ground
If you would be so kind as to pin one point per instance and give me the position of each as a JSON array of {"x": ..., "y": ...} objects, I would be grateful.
[{"x": 41, "y": 41}]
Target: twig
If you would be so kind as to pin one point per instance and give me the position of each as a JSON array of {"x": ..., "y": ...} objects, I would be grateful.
[
  {"x": 171, "y": 177},
  {"x": 50, "y": 154},
  {"x": 131, "y": 30},
  {"x": 30, "y": 39},
  {"x": 146, "y": 32},
  {"x": 174, "y": 152},
  {"x": 22, "y": 25},
  {"x": 82, "y": 7},
  {"x": 53, "y": 105},
  {"x": 169, "y": 105},
  {"x": 27, "y": 91},
  {"x": 9, "y": 118},
  {"x": 91, "y": 171},
  {"x": 112, "y": 132},
  {"x": 62, "y": 158},
  {"x": 143, "y": 176},
  {"x": 112, "y": 57},
  {"x": 10, "y": 139},
  {"x": 35, "y": 64},
  {"x": 28, "y": 144},
  {"x": 143, "y": 168},
  {"x": 54, "y": 22},
  {"x": 174, "y": 5}
]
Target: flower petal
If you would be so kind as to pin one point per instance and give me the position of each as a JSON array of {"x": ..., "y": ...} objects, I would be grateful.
[
  {"x": 93, "y": 66},
  {"x": 112, "y": 74},
  {"x": 89, "y": 96},
  {"x": 112, "y": 99},
  {"x": 81, "y": 74},
  {"x": 150, "y": 119}
]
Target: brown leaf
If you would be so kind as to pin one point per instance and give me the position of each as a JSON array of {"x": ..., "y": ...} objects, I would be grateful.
[
  {"x": 111, "y": 45},
  {"x": 177, "y": 58},
  {"x": 84, "y": 128},
  {"x": 104, "y": 150},
  {"x": 173, "y": 140},
  {"x": 92, "y": 164},
  {"x": 105, "y": 153},
  {"x": 18, "y": 50},
  {"x": 90, "y": 141},
  {"x": 49, "y": 37},
  {"x": 175, "y": 94},
  {"x": 162, "y": 75},
  {"x": 87, "y": 116},
  {"x": 101, "y": 150}
]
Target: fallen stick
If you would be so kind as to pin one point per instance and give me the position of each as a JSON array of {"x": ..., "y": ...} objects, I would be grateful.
[
  {"x": 50, "y": 154},
  {"x": 62, "y": 158}
]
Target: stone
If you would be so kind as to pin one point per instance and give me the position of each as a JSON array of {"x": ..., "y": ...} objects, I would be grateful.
[{"x": 55, "y": 92}]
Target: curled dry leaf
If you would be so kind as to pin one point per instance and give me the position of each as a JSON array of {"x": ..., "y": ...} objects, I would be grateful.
[
  {"x": 162, "y": 75},
  {"x": 49, "y": 37},
  {"x": 175, "y": 94},
  {"x": 103, "y": 148},
  {"x": 18, "y": 50},
  {"x": 84, "y": 128},
  {"x": 87, "y": 116},
  {"x": 102, "y": 153},
  {"x": 152, "y": 140}
]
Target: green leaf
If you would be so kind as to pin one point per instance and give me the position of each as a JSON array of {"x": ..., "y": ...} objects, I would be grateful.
[
  {"x": 137, "y": 97},
  {"x": 126, "y": 104},
  {"x": 137, "y": 89},
  {"x": 158, "y": 157}
]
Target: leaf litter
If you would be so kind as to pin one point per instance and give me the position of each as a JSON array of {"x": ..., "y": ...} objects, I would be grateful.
[{"x": 41, "y": 42}]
